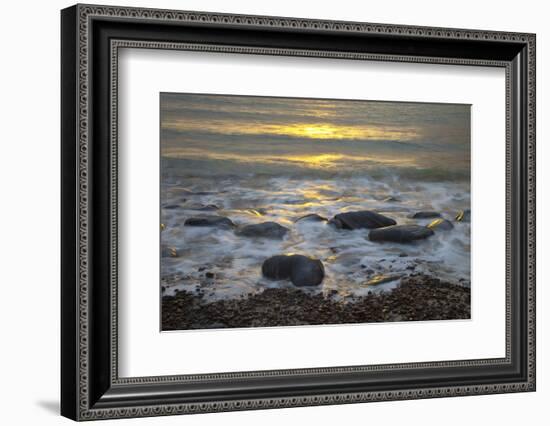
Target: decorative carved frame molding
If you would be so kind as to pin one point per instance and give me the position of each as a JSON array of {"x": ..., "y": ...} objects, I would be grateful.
[{"x": 78, "y": 338}]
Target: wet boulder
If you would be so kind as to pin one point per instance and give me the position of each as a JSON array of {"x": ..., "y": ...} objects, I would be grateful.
[
  {"x": 382, "y": 279},
  {"x": 361, "y": 219},
  {"x": 263, "y": 230},
  {"x": 212, "y": 221},
  {"x": 256, "y": 212},
  {"x": 312, "y": 217},
  {"x": 201, "y": 207},
  {"x": 306, "y": 271},
  {"x": 426, "y": 215},
  {"x": 171, "y": 206},
  {"x": 277, "y": 267},
  {"x": 391, "y": 199},
  {"x": 441, "y": 224},
  {"x": 400, "y": 233},
  {"x": 168, "y": 252},
  {"x": 302, "y": 271},
  {"x": 463, "y": 216}
]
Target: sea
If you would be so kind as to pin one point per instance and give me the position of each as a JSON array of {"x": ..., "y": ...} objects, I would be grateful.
[{"x": 249, "y": 181}]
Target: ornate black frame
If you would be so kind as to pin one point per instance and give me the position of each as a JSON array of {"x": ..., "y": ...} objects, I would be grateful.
[{"x": 91, "y": 37}]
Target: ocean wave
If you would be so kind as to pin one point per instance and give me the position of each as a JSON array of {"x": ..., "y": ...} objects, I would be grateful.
[
  {"x": 319, "y": 167},
  {"x": 349, "y": 257}
]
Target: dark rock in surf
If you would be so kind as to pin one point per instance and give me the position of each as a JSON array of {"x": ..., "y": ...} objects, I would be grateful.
[
  {"x": 257, "y": 212},
  {"x": 391, "y": 199},
  {"x": 426, "y": 215},
  {"x": 212, "y": 221},
  {"x": 168, "y": 252},
  {"x": 306, "y": 271},
  {"x": 441, "y": 224},
  {"x": 463, "y": 216},
  {"x": 400, "y": 233},
  {"x": 301, "y": 270},
  {"x": 382, "y": 279},
  {"x": 312, "y": 217},
  {"x": 361, "y": 219},
  {"x": 277, "y": 267},
  {"x": 201, "y": 207},
  {"x": 171, "y": 206},
  {"x": 263, "y": 230}
]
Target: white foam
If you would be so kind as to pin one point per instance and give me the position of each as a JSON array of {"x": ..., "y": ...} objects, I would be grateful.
[{"x": 350, "y": 259}]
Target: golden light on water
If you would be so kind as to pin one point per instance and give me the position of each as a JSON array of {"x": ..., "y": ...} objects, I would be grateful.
[
  {"x": 317, "y": 160},
  {"x": 338, "y": 132},
  {"x": 313, "y": 161},
  {"x": 320, "y": 131}
]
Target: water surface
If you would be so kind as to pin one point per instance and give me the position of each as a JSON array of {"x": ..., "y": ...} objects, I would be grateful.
[{"x": 256, "y": 159}]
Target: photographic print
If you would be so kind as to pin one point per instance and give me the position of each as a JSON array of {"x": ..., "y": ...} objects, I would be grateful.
[{"x": 300, "y": 211}]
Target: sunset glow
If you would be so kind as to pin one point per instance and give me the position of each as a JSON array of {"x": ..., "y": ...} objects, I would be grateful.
[
  {"x": 311, "y": 161},
  {"x": 322, "y": 131}
]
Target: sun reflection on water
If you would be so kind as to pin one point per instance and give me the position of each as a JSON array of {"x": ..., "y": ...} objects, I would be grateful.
[
  {"x": 308, "y": 130},
  {"x": 327, "y": 160}
]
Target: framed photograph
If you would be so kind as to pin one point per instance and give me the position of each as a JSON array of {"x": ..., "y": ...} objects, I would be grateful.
[{"x": 263, "y": 212}]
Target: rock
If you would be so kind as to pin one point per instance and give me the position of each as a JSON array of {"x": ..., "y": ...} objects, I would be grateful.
[
  {"x": 210, "y": 275},
  {"x": 171, "y": 206},
  {"x": 277, "y": 267},
  {"x": 442, "y": 224},
  {"x": 381, "y": 279},
  {"x": 361, "y": 219},
  {"x": 216, "y": 221},
  {"x": 426, "y": 215},
  {"x": 201, "y": 207},
  {"x": 256, "y": 212},
  {"x": 391, "y": 199},
  {"x": 263, "y": 230},
  {"x": 168, "y": 252},
  {"x": 463, "y": 216},
  {"x": 306, "y": 271},
  {"x": 301, "y": 270},
  {"x": 400, "y": 233},
  {"x": 312, "y": 217}
]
